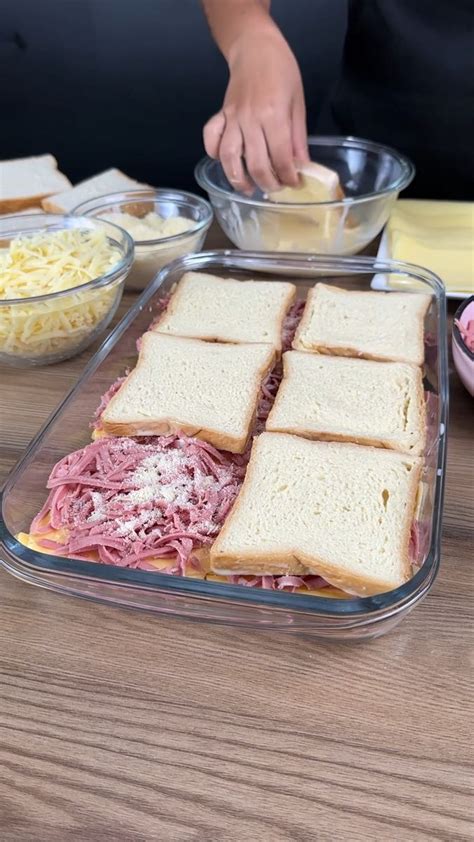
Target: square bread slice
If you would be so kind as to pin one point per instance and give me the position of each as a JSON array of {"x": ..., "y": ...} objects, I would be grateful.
[
  {"x": 374, "y": 325},
  {"x": 202, "y": 389},
  {"x": 337, "y": 510},
  {"x": 226, "y": 310},
  {"x": 109, "y": 181},
  {"x": 316, "y": 184},
  {"x": 24, "y": 182},
  {"x": 347, "y": 399}
]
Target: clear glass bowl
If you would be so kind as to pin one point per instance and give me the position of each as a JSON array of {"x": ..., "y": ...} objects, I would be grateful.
[
  {"x": 81, "y": 313},
  {"x": 371, "y": 175},
  {"x": 153, "y": 254},
  {"x": 233, "y": 605}
]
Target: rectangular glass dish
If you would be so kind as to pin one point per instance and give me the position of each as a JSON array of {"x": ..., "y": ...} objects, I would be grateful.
[{"x": 234, "y": 605}]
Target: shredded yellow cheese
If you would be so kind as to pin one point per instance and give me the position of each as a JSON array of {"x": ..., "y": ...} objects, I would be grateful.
[{"x": 47, "y": 263}]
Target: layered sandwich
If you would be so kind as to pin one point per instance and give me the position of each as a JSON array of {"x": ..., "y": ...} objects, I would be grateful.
[{"x": 248, "y": 446}]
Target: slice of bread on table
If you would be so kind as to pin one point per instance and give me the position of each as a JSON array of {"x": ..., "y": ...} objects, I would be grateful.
[
  {"x": 24, "y": 182},
  {"x": 373, "y": 325},
  {"x": 217, "y": 309},
  {"x": 109, "y": 181},
  {"x": 337, "y": 510},
  {"x": 202, "y": 389},
  {"x": 346, "y": 399}
]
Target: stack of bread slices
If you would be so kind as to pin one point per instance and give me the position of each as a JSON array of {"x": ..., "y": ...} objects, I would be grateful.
[
  {"x": 36, "y": 185},
  {"x": 332, "y": 482}
]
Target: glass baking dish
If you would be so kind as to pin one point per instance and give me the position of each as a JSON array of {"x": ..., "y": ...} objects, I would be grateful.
[{"x": 233, "y": 605}]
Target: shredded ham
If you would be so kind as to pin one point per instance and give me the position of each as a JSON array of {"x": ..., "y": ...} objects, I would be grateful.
[
  {"x": 130, "y": 499},
  {"x": 419, "y": 542},
  {"x": 105, "y": 400},
  {"x": 291, "y": 322},
  {"x": 467, "y": 333},
  {"x": 162, "y": 304},
  {"x": 280, "y": 583}
]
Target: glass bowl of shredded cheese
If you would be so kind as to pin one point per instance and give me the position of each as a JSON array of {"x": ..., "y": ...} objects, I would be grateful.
[
  {"x": 61, "y": 280},
  {"x": 164, "y": 224}
]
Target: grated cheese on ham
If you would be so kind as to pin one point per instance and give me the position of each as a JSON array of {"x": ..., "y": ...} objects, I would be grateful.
[{"x": 130, "y": 499}]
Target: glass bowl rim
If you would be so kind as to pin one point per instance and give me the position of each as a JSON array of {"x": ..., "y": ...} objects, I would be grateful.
[
  {"x": 126, "y": 247},
  {"x": 344, "y": 141},
  {"x": 157, "y": 194}
]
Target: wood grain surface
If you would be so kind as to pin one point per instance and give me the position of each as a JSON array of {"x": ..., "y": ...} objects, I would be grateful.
[{"x": 117, "y": 726}]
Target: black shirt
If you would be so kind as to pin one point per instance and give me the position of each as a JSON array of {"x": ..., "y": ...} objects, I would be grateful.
[{"x": 408, "y": 81}]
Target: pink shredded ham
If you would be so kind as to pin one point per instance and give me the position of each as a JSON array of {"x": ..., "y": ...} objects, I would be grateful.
[
  {"x": 291, "y": 322},
  {"x": 280, "y": 583},
  {"x": 419, "y": 542},
  {"x": 162, "y": 305},
  {"x": 130, "y": 499},
  {"x": 105, "y": 400},
  {"x": 467, "y": 333}
]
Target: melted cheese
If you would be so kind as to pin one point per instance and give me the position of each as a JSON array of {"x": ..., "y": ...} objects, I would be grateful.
[{"x": 60, "y": 535}]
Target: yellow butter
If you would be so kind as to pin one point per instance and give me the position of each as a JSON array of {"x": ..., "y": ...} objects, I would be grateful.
[{"x": 436, "y": 235}]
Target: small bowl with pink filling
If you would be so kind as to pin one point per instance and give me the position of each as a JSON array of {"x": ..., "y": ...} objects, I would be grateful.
[{"x": 463, "y": 343}]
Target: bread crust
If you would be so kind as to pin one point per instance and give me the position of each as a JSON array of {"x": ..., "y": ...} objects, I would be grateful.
[
  {"x": 51, "y": 204},
  {"x": 172, "y": 425},
  {"x": 21, "y": 204},
  {"x": 293, "y": 561}
]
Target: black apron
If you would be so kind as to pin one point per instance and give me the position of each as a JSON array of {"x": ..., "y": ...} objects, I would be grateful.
[{"x": 408, "y": 81}]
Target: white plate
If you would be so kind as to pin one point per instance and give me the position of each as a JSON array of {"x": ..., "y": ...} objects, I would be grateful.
[{"x": 380, "y": 281}]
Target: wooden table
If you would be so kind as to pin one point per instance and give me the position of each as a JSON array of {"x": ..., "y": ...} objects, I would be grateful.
[{"x": 117, "y": 726}]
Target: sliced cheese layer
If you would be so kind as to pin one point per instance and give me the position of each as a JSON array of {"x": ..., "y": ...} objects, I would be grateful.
[{"x": 437, "y": 235}]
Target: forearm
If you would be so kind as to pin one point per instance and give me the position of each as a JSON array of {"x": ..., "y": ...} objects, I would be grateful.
[{"x": 230, "y": 20}]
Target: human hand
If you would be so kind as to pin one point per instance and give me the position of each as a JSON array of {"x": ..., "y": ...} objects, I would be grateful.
[{"x": 263, "y": 117}]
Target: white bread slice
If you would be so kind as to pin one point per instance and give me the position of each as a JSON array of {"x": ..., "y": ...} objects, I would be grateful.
[
  {"x": 226, "y": 310},
  {"x": 346, "y": 399},
  {"x": 203, "y": 389},
  {"x": 374, "y": 325},
  {"x": 24, "y": 182},
  {"x": 337, "y": 510},
  {"x": 317, "y": 184},
  {"x": 316, "y": 228},
  {"x": 109, "y": 181}
]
